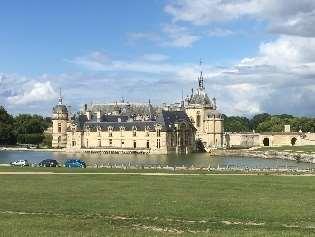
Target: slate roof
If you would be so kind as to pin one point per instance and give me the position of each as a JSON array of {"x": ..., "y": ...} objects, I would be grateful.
[
  {"x": 129, "y": 126},
  {"x": 60, "y": 109},
  {"x": 167, "y": 120},
  {"x": 199, "y": 98}
]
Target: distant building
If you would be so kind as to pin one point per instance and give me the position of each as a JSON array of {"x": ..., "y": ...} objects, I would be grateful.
[{"x": 142, "y": 128}]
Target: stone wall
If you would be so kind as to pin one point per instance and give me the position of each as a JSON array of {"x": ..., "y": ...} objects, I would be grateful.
[{"x": 247, "y": 140}]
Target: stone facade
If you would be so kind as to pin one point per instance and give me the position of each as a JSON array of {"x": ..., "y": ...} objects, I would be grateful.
[
  {"x": 271, "y": 139},
  {"x": 60, "y": 120},
  {"x": 122, "y": 129},
  {"x": 142, "y": 128},
  {"x": 203, "y": 113}
]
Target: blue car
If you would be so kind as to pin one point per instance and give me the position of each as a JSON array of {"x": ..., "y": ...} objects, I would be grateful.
[{"x": 75, "y": 164}]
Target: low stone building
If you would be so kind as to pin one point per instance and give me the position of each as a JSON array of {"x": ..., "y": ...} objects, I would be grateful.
[{"x": 269, "y": 139}]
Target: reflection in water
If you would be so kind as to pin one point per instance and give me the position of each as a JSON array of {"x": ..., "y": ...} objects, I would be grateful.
[{"x": 197, "y": 160}]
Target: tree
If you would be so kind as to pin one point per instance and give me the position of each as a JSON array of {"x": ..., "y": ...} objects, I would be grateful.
[
  {"x": 30, "y": 128},
  {"x": 7, "y": 133},
  {"x": 257, "y": 119},
  {"x": 236, "y": 124}
]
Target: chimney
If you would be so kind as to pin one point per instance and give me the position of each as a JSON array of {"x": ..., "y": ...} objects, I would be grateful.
[
  {"x": 98, "y": 116},
  {"x": 88, "y": 115}
]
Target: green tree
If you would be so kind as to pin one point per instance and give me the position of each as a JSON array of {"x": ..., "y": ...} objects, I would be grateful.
[
  {"x": 7, "y": 133},
  {"x": 30, "y": 128},
  {"x": 236, "y": 124},
  {"x": 257, "y": 119}
]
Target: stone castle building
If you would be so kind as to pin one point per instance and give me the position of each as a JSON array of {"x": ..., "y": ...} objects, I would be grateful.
[
  {"x": 142, "y": 128},
  {"x": 203, "y": 113}
]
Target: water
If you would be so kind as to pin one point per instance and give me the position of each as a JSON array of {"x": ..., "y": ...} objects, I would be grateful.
[{"x": 197, "y": 160}]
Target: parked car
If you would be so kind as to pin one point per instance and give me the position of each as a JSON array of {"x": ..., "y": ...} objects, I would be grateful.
[
  {"x": 20, "y": 163},
  {"x": 75, "y": 164},
  {"x": 48, "y": 163}
]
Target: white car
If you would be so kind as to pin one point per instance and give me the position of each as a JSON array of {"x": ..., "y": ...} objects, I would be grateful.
[{"x": 20, "y": 163}]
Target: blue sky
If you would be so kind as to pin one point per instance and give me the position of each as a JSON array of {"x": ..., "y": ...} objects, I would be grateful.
[{"x": 257, "y": 55}]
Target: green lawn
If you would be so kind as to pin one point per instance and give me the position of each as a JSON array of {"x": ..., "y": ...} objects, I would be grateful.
[
  {"x": 304, "y": 149},
  {"x": 134, "y": 205}
]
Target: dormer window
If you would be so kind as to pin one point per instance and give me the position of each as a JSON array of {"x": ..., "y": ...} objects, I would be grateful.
[
  {"x": 147, "y": 131},
  {"x": 158, "y": 130}
]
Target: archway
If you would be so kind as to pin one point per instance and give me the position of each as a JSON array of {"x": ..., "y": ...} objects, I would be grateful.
[
  {"x": 266, "y": 141},
  {"x": 293, "y": 141}
]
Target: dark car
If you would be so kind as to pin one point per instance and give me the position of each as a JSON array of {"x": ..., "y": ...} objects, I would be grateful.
[
  {"x": 75, "y": 164},
  {"x": 48, "y": 163}
]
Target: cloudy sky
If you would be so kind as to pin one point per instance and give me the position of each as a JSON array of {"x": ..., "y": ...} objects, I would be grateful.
[{"x": 258, "y": 55}]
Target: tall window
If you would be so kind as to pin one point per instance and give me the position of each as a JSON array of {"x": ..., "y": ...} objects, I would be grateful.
[
  {"x": 134, "y": 144},
  {"x": 73, "y": 143},
  {"x": 158, "y": 132},
  {"x": 59, "y": 127},
  {"x": 148, "y": 144},
  {"x": 110, "y": 131},
  {"x": 87, "y": 143},
  {"x": 99, "y": 142},
  {"x": 198, "y": 121},
  {"x": 158, "y": 143},
  {"x": 110, "y": 142},
  {"x": 122, "y": 130}
]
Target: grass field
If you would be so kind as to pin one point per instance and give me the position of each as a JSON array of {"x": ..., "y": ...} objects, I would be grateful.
[{"x": 134, "y": 205}]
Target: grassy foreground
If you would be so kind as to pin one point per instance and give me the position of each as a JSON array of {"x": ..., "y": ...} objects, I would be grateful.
[{"x": 134, "y": 205}]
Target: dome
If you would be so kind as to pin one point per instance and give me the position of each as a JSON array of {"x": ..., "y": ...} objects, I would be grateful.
[
  {"x": 201, "y": 99},
  {"x": 60, "y": 109}
]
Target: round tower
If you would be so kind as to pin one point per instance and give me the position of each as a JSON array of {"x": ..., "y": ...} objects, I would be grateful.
[{"x": 60, "y": 118}]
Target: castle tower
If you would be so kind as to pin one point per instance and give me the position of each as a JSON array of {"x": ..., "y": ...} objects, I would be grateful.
[
  {"x": 60, "y": 119},
  {"x": 204, "y": 115}
]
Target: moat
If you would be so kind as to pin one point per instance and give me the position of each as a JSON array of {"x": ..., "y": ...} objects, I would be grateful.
[{"x": 197, "y": 160}]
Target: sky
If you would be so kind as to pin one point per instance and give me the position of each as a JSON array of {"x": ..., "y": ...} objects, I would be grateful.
[{"x": 257, "y": 55}]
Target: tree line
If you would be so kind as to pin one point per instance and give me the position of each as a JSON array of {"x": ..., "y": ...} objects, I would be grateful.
[
  {"x": 268, "y": 123},
  {"x": 23, "y": 129}
]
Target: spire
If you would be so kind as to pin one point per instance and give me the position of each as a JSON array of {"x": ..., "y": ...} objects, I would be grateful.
[
  {"x": 60, "y": 97},
  {"x": 200, "y": 78},
  {"x": 214, "y": 103}
]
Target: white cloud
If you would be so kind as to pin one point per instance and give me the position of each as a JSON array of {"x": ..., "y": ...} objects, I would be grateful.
[
  {"x": 179, "y": 36},
  {"x": 38, "y": 92},
  {"x": 219, "y": 32},
  {"x": 171, "y": 35},
  {"x": 283, "y": 16},
  {"x": 155, "y": 57},
  {"x": 202, "y": 12}
]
